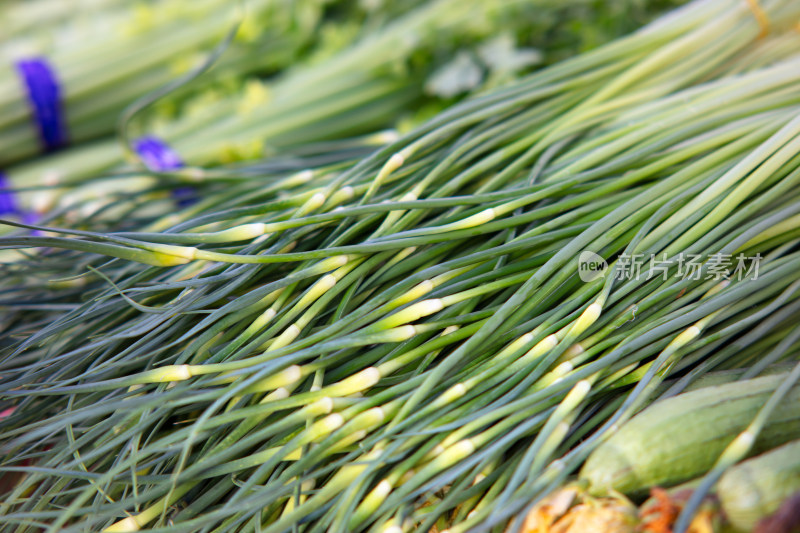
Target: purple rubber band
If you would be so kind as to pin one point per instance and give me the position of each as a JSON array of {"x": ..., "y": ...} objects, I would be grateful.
[
  {"x": 156, "y": 155},
  {"x": 8, "y": 202},
  {"x": 159, "y": 157},
  {"x": 9, "y": 206},
  {"x": 44, "y": 95},
  {"x": 29, "y": 217}
]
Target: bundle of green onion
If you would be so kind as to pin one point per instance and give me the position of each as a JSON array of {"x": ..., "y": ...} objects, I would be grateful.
[
  {"x": 437, "y": 335},
  {"x": 103, "y": 62},
  {"x": 354, "y": 80}
]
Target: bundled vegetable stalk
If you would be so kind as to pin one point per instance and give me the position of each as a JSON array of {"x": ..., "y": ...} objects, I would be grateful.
[
  {"x": 69, "y": 82},
  {"x": 354, "y": 82},
  {"x": 437, "y": 335}
]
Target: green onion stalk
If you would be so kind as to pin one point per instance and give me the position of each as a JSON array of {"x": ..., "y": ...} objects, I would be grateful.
[
  {"x": 361, "y": 74},
  {"x": 413, "y": 340}
]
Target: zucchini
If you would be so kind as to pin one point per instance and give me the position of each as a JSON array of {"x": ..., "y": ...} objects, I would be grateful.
[
  {"x": 755, "y": 489},
  {"x": 717, "y": 377},
  {"x": 680, "y": 438}
]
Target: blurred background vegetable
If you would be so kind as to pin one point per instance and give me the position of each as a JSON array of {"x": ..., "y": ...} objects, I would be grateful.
[{"x": 341, "y": 69}]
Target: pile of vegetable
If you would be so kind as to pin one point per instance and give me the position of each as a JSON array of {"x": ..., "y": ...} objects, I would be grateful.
[{"x": 526, "y": 313}]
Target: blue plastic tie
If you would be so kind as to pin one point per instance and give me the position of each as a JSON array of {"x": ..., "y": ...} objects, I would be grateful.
[
  {"x": 159, "y": 157},
  {"x": 9, "y": 205},
  {"x": 44, "y": 95},
  {"x": 8, "y": 201}
]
